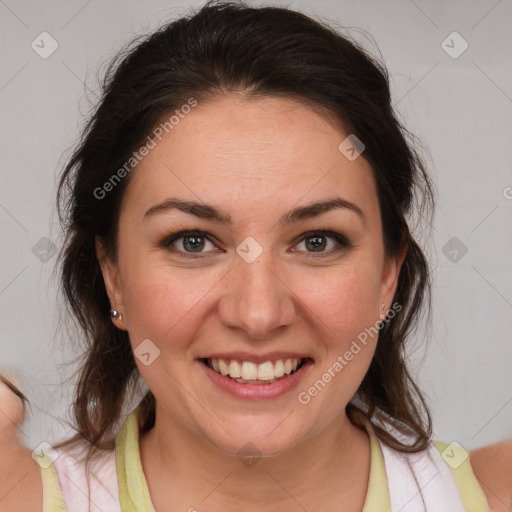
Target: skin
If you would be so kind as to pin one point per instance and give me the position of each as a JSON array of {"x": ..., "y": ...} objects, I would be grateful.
[
  {"x": 20, "y": 477},
  {"x": 492, "y": 466},
  {"x": 255, "y": 160}
]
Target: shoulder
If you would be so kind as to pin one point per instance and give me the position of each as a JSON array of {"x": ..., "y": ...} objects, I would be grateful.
[
  {"x": 20, "y": 479},
  {"x": 492, "y": 466}
]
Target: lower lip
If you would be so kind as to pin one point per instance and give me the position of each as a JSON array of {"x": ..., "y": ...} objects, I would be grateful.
[{"x": 256, "y": 391}]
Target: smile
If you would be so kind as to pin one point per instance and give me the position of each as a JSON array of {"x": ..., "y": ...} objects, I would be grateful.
[
  {"x": 255, "y": 380},
  {"x": 247, "y": 372}
]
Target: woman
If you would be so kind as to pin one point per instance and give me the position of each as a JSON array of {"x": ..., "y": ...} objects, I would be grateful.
[{"x": 237, "y": 236}]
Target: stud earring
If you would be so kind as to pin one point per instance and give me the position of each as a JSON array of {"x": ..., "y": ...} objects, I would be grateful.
[{"x": 115, "y": 315}]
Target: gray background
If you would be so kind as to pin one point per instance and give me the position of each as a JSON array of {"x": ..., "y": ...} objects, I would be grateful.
[{"x": 459, "y": 107}]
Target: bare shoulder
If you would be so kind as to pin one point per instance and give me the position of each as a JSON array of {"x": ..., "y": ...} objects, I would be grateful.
[
  {"x": 21, "y": 487},
  {"x": 492, "y": 466}
]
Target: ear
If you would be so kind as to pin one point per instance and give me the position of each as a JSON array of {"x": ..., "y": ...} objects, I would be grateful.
[
  {"x": 110, "y": 272},
  {"x": 390, "y": 274}
]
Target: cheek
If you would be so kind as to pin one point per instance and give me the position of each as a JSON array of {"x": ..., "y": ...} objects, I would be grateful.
[
  {"x": 346, "y": 306},
  {"x": 345, "y": 299},
  {"x": 165, "y": 304},
  {"x": 158, "y": 299}
]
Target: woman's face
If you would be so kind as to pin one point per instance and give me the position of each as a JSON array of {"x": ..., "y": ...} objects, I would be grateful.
[{"x": 251, "y": 282}]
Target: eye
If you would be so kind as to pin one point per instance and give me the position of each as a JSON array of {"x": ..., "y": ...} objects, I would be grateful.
[
  {"x": 323, "y": 242},
  {"x": 198, "y": 242},
  {"x": 189, "y": 242}
]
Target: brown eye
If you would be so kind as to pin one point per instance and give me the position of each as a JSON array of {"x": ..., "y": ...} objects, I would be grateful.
[{"x": 316, "y": 243}]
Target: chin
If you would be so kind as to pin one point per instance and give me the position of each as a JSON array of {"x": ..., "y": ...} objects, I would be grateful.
[{"x": 256, "y": 441}]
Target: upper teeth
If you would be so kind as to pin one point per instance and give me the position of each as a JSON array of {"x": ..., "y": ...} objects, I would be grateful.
[{"x": 251, "y": 371}]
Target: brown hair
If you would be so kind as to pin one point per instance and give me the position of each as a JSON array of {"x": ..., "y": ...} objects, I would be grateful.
[{"x": 266, "y": 51}]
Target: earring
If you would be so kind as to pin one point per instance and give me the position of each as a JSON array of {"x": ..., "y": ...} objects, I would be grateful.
[
  {"x": 115, "y": 315},
  {"x": 382, "y": 314}
]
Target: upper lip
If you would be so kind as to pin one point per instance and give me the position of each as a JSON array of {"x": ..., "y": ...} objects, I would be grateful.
[{"x": 255, "y": 358}]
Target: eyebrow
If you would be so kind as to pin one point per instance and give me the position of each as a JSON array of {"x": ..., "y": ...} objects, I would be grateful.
[{"x": 208, "y": 212}]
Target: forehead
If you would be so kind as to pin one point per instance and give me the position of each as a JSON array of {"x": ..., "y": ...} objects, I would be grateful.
[{"x": 251, "y": 154}]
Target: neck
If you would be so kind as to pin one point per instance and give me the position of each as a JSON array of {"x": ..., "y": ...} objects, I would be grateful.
[{"x": 184, "y": 469}]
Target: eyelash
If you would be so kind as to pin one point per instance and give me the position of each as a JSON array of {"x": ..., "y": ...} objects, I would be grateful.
[{"x": 167, "y": 242}]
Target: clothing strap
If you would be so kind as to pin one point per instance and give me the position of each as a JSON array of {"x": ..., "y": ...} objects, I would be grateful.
[
  {"x": 437, "y": 479},
  {"x": 72, "y": 483},
  {"x": 133, "y": 488},
  {"x": 52, "y": 494},
  {"x": 457, "y": 458},
  {"x": 377, "y": 495}
]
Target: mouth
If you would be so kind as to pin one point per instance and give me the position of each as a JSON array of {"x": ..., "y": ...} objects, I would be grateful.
[{"x": 253, "y": 374}]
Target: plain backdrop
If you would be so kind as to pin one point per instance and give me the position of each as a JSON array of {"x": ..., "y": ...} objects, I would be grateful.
[{"x": 457, "y": 100}]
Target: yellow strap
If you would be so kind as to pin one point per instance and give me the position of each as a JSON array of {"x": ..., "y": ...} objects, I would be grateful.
[
  {"x": 377, "y": 496},
  {"x": 53, "y": 500},
  {"x": 133, "y": 488},
  {"x": 471, "y": 493}
]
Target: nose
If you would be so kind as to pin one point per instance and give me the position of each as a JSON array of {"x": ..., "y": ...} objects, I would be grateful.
[{"x": 257, "y": 299}]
